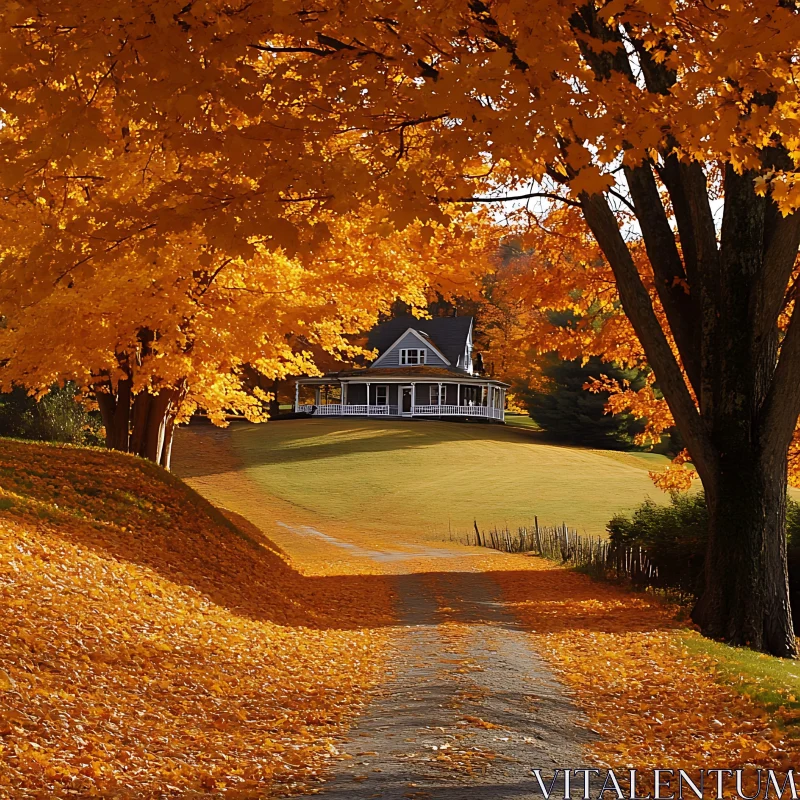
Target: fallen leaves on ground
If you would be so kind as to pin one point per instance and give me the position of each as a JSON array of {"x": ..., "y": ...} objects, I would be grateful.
[
  {"x": 149, "y": 648},
  {"x": 652, "y": 704}
]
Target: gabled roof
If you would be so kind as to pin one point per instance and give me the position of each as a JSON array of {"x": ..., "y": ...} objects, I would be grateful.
[
  {"x": 423, "y": 338},
  {"x": 448, "y": 334}
]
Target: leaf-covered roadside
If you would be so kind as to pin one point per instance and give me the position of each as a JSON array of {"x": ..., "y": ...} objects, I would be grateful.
[
  {"x": 652, "y": 702},
  {"x": 148, "y": 649}
]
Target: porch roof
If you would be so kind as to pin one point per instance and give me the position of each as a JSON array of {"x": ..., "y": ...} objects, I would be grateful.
[{"x": 403, "y": 375}]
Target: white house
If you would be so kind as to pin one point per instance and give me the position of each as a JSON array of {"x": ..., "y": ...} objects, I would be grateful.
[{"x": 424, "y": 368}]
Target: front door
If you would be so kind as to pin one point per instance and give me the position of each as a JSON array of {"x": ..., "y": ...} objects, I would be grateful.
[{"x": 405, "y": 400}]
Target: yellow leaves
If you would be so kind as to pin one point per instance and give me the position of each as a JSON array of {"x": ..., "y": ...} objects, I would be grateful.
[
  {"x": 149, "y": 647},
  {"x": 677, "y": 477},
  {"x": 6, "y": 683},
  {"x": 592, "y": 180},
  {"x": 219, "y": 302},
  {"x": 481, "y": 723}
]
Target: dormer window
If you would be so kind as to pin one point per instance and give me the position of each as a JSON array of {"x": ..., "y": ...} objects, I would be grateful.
[{"x": 412, "y": 356}]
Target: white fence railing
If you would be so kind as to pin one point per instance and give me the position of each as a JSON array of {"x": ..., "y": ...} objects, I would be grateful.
[
  {"x": 337, "y": 410},
  {"x": 458, "y": 411}
]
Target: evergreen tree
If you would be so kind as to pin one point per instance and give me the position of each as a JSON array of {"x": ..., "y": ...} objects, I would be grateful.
[{"x": 571, "y": 414}]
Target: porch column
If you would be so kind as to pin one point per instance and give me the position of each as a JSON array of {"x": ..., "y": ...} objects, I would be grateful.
[
  {"x": 440, "y": 399},
  {"x": 341, "y": 395},
  {"x": 458, "y": 394},
  {"x": 368, "y": 385},
  {"x": 297, "y": 397},
  {"x": 316, "y": 395},
  {"x": 413, "y": 396}
]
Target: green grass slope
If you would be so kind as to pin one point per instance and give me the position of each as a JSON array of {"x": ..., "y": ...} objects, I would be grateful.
[{"x": 422, "y": 478}]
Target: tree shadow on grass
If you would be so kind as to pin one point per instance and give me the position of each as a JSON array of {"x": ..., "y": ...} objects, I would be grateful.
[
  {"x": 298, "y": 441},
  {"x": 130, "y": 510}
]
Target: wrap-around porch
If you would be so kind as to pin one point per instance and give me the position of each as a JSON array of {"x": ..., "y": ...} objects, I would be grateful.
[{"x": 476, "y": 398}]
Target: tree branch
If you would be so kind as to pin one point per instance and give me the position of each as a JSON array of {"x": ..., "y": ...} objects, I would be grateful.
[
  {"x": 491, "y": 30},
  {"x": 622, "y": 199},
  {"x": 548, "y": 195},
  {"x": 688, "y": 191},
  {"x": 781, "y": 243},
  {"x": 662, "y": 252},
  {"x": 639, "y": 309},
  {"x": 317, "y": 51}
]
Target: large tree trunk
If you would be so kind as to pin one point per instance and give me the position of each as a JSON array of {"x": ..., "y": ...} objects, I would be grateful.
[
  {"x": 739, "y": 423},
  {"x": 746, "y": 597},
  {"x": 143, "y": 424},
  {"x": 745, "y": 600}
]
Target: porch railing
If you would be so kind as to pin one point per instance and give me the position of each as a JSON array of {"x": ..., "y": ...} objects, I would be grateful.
[
  {"x": 458, "y": 411},
  {"x": 338, "y": 410}
]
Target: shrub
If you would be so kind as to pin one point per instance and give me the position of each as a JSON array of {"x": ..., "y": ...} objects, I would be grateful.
[
  {"x": 57, "y": 417},
  {"x": 675, "y": 536}
]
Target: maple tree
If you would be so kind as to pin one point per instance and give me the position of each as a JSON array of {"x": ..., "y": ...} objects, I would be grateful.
[
  {"x": 164, "y": 230},
  {"x": 668, "y": 129},
  {"x": 674, "y": 136}
]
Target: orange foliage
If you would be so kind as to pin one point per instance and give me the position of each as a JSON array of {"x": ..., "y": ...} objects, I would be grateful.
[
  {"x": 651, "y": 703},
  {"x": 150, "y": 647}
]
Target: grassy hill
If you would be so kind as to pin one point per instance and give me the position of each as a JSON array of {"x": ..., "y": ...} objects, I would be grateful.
[
  {"x": 427, "y": 478},
  {"x": 151, "y": 648}
]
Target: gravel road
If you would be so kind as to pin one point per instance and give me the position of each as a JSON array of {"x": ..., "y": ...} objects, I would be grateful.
[{"x": 469, "y": 709}]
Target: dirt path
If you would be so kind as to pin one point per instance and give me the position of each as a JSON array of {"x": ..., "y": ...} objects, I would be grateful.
[
  {"x": 469, "y": 710},
  {"x": 468, "y": 707}
]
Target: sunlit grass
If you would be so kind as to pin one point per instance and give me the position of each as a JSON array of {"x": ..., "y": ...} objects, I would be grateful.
[
  {"x": 772, "y": 682},
  {"x": 431, "y": 479}
]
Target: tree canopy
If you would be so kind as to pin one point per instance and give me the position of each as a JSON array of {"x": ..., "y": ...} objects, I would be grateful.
[{"x": 167, "y": 143}]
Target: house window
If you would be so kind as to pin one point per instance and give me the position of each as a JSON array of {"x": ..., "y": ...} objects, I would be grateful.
[
  {"x": 435, "y": 395},
  {"x": 381, "y": 395},
  {"x": 412, "y": 356}
]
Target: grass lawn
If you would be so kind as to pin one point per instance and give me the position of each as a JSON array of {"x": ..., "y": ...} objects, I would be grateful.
[
  {"x": 422, "y": 478},
  {"x": 520, "y": 421},
  {"x": 772, "y": 682}
]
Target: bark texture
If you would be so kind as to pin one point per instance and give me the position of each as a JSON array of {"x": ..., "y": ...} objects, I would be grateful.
[
  {"x": 143, "y": 423},
  {"x": 734, "y": 389}
]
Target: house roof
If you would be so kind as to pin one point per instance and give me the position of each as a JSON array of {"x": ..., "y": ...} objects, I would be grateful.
[
  {"x": 421, "y": 372},
  {"x": 416, "y": 371},
  {"x": 448, "y": 334}
]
